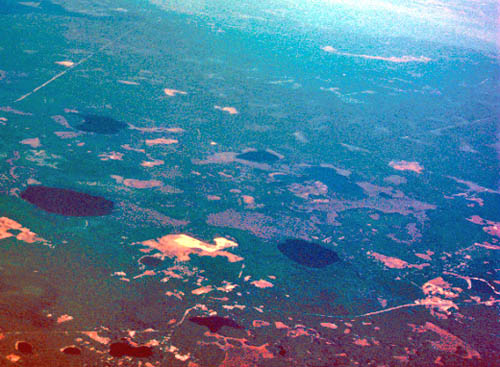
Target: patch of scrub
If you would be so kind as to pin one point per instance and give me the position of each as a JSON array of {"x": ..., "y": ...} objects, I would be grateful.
[
  {"x": 66, "y": 63},
  {"x": 172, "y": 92},
  {"x": 406, "y": 166},
  {"x": 161, "y": 141},
  {"x": 32, "y": 142},
  {"x": 137, "y": 184},
  {"x": 230, "y": 110}
]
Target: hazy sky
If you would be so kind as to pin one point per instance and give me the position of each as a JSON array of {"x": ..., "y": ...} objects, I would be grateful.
[{"x": 470, "y": 23}]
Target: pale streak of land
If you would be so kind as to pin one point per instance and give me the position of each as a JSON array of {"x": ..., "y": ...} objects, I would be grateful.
[{"x": 57, "y": 76}]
